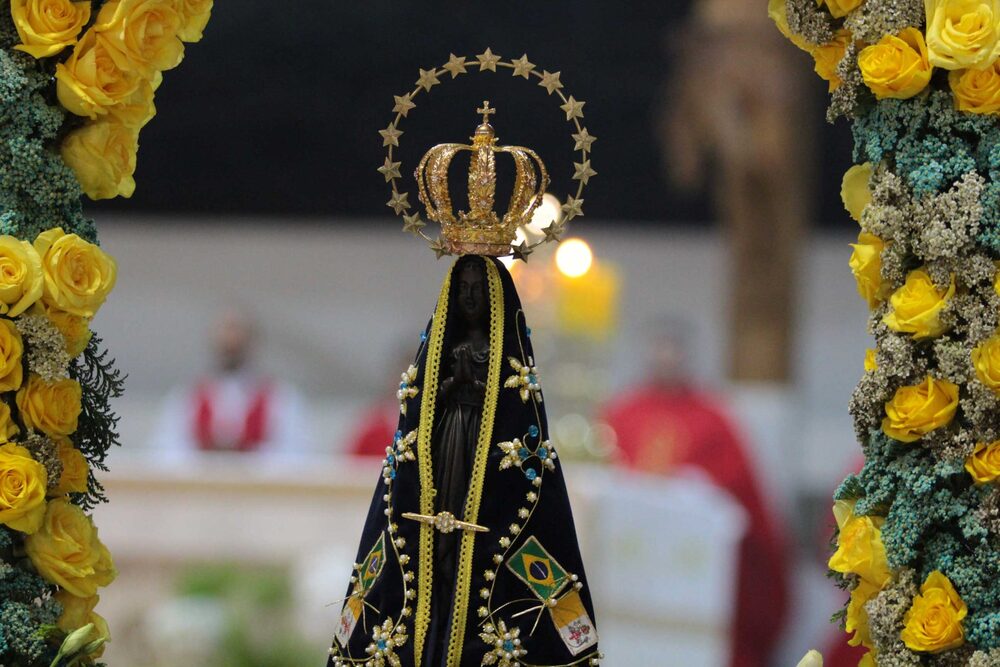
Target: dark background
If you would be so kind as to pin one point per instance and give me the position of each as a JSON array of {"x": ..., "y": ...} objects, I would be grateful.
[{"x": 277, "y": 110}]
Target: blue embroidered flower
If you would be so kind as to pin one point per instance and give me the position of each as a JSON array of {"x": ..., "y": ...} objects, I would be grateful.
[
  {"x": 505, "y": 645},
  {"x": 525, "y": 380}
]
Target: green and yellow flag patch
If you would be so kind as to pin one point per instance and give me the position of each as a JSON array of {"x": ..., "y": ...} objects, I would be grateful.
[{"x": 533, "y": 565}]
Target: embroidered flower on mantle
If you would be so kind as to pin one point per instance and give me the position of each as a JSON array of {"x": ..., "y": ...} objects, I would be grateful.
[
  {"x": 506, "y": 645},
  {"x": 517, "y": 452},
  {"x": 385, "y": 640},
  {"x": 406, "y": 389},
  {"x": 525, "y": 381}
]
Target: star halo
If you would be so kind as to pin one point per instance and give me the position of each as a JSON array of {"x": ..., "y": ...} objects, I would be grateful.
[{"x": 488, "y": 62}]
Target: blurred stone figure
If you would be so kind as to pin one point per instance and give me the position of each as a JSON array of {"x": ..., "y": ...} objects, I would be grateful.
[
  {"x": 666, "y": 423},
  {"x": 733, "y": 116},
  {"x": 236, "y": 407}
]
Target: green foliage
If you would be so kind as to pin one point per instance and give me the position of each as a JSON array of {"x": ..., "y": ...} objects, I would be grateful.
[
  {"x": 37, "y": 190},
  {"x": 927, "y": 141},
  {"x": 932, "y": 145},
  {"x": 97, "y": 430},
  {"x": 23, "y": 636},
  {"x": 260, "y": 626}
]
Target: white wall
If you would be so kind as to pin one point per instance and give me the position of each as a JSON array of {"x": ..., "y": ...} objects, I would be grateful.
[{"x": 335, "y": 302}]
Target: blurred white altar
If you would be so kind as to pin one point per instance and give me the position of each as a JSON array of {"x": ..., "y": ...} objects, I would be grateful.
[{"x": 659, "y": 554}]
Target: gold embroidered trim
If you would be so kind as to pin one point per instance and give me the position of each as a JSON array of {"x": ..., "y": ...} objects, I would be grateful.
[
  {"x": 426, "y": 553},
  {"x": 463, "y": 577}
]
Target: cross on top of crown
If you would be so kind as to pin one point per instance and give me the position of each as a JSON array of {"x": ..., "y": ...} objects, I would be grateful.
[{"x": 486, "y": 111}]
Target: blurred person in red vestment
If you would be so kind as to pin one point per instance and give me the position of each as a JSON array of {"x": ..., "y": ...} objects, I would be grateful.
[
  {"x": 377, "y": 426},
  {"x": 665, "y": 423},
  {"x": 236, "y": 407}
]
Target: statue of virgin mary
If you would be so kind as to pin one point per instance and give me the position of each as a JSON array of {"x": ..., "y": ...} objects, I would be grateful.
[{"x": 469, "y": 555}]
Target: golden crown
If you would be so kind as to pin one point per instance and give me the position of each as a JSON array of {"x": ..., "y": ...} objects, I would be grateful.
[{"x": 481, "y": 231}]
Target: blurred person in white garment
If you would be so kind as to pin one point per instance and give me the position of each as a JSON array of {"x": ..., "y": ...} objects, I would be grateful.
[{"x": 236, "y": 408}]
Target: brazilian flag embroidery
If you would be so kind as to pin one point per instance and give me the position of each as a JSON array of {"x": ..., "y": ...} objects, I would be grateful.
[
  {"x": 372, "y": 566},
  {"x": 533, "y": 565},
  {"x": 354, "y": 605},
  {"x": 546, "y": 578}
]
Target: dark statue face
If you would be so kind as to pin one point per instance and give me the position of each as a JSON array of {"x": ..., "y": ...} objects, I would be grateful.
[{"x": 471, "y": 293}]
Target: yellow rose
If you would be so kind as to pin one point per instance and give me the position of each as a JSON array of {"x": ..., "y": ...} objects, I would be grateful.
[
  {"x": 22, "y": 489},
  {"x": 870, "y": 361},
  {"x": 829, "y": 55},
  {"x": 986, "y": 361},
  {"x": 67, "y": 551},
  {"x": 46, "y": 27},
  {"x": 897, "y": 66},
  {"x": 859, "y": 546},
  {"x": 854, "y": 190},
  {"x": 102, "y": 155},
  {"x": 8, "y": 428},
  {"x": 194, "y": 18},
  {"x": 917, "y": 306},
  {"x": 49, "y": 407},
  {"x": 78, "y": 274},
  {"x": 934, "y": 621},
  {"x": 856, "y": 620},
  {"x": 984, "y": 462},
  {"x": 75, "y": 329},
  {"x": 20, "y": 276},
  {"x": 915, "y": 411},
  {"x": 976, "y": 90},
  {"x": 91, "y": 81},
  {"x": 11, "y": 351},
  {"x": 136, "y": 110},
  {"x": 78, "y": 612},
  {"x": 144, "y": 32},
  {"x": 75, "y": 469},
  {"x": 868, "y": 660},
  {"x": 839, "y": 8},
  {"x": 866, "y": 265},
  {"x": 962, "y": 33},
  {"x": 777, "y": 12}
]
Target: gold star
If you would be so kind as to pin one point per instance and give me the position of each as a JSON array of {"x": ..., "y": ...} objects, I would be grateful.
[
  {"x": 428, "y": 79},
  {"x": 572, "y": 108},
  {"x": 403, "y": 104},
  {"x": 390, "y": 169},
  {"x": 583, "y": 140},
  {"x": 412, "y": 224},
  {"x": 521, "y": 251},
  {"x": 439, "y": 248},
  {"x": 550, "y": 81},
  {"x": 554, "y": 231},
  {"x": 398, "y": 202},
  {"x": 583, "y": 171},
  {"x": 390, "y": 135},
  {"x": 573, "y": 207},
  {"x": 522, "y": 67},
  {"x": 455, "y": 65},
  {"x": 487, "y": 61}
]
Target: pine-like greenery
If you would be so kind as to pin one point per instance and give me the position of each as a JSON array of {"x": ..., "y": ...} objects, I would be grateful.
[{"x": 97, "y": 430}]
